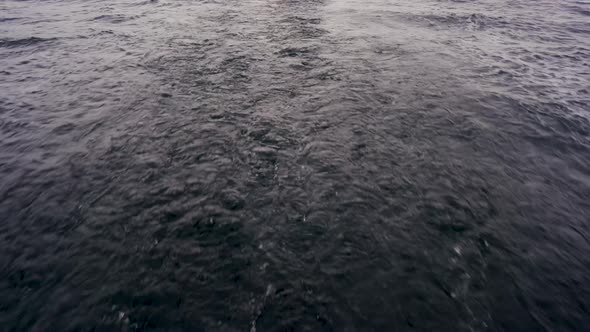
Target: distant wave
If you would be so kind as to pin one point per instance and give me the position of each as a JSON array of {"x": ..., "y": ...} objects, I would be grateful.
[
  {"x": 11, "y": 43},
  {"x": 7, "y": 19},
  {"x": 117, "y": 18}
]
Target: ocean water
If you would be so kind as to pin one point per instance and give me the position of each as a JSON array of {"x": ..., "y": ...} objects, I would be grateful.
[{"x": 283, "y": 165}]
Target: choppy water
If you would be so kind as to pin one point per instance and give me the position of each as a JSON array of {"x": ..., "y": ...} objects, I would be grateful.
[{"x": 283, "y": 165}]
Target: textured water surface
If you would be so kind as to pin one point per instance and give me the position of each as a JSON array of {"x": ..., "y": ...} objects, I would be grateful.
[{"x": 295, "y": 165}]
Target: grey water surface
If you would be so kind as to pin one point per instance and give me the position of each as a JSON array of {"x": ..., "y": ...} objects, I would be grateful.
[{"x": 295, "y": 165}]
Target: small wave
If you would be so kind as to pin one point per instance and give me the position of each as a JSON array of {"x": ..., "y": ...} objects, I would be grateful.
[
  {"x": 583, "y": 12},
  {"x": 118, "y": 18},
  {"x": 147, "y": 2},
  {"x": 300, "y": 19},
  {"x": 580, "y": 7},
  {"x": 473, "y": 21},
  {"x": 7, "y": 19},
  {"x": 11, "y": 43},
  {"x": 294, "y": 51},
  {"x": 579, "y": 28}
]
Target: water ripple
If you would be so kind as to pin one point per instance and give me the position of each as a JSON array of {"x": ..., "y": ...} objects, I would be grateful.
[{"x": 314, "y": 165}]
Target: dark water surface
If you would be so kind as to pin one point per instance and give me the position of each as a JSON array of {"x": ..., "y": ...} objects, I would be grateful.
[{"x": 284, "y": 165}]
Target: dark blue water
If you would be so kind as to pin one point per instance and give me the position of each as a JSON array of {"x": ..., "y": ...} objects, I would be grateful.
[{"x": 283, "y": 165}]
